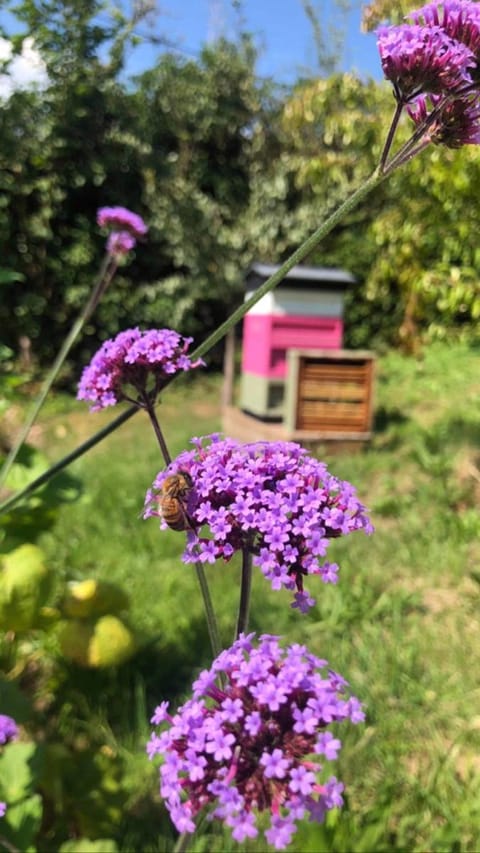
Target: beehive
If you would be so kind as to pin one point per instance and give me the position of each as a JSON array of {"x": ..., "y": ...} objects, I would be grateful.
[{"x": 304, "y": 311}]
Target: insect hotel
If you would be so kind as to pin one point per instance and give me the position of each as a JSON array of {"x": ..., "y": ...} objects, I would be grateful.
[{"x": 297, "y": 381}]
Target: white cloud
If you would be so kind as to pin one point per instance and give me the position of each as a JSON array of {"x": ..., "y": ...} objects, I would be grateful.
[
  {"x": 6, "y": 49},
  {"x": 25, "y": 70}
]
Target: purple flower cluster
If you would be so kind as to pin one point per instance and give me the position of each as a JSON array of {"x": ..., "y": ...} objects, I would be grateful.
[
  {"x": 250, "y": 738},
  {"x": 126, "y": 227},
  {"x": 8, "y": 732},
  {"x": 459, "y": 19},
  {"x": 455, "y": 124},
  {"x": 423, "y": 59},
  {"x": 8, "y": 729},
  {"x": 133, "y": 360},
  {"x": 269, "y": 498},
  {"x": 433, "y": 63}
]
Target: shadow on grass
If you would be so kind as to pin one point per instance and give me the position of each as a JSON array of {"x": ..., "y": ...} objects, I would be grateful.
[
  {"x": 158, "y": 671},
  {"x": 385, "y": 419}
]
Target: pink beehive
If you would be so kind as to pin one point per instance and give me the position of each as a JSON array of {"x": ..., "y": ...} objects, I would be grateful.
[{"x": 305, "y": 311}]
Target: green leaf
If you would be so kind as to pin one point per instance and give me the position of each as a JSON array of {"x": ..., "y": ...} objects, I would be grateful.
[
  {"x": 22, "y": 823},
  {"x": 85, "y": 845},
  {"x": 9, "y": 276},
  {"x": 30, "y": 464},
  {"x": 24, "y": 587},
  {"x": 20, "y": 765}
]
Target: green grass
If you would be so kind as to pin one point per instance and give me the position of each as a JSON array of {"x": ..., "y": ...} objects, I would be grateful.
[{"x": 402, "y": 625}]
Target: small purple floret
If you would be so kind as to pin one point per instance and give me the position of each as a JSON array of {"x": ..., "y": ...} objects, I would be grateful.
[
  {"x": 456, "y": 122},
  {"x": 230, "y": 751},
  {"x": 120, "y": 243}
]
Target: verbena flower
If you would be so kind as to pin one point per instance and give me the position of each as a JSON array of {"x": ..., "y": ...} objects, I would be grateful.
[
  {"x": 457, "y": 122},
  {"x": 419, "y": 59},
  {"x": 8, "y": 729},
  {"x": 251, "y": 742},
  {"x": 121, "y": 219},
  {"x": 120, "y": 243},
  {"x": 459, "y": 19},
  {"x": 272, "y": 499},
  {"x": 133, "y": 361},
  {"x": 8, "y": 732}
]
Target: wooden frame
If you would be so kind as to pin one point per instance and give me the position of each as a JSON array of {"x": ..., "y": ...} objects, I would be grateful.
[{"x": 329, "y": 394}]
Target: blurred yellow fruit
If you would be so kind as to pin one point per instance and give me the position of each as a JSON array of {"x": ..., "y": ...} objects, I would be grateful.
[
  {"x": 105, "y": 642},
  {"x": 91, "y": 597},
  {"x": 112, "y": 643}
]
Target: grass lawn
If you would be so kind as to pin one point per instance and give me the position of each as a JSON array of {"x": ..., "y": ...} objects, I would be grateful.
[{"x": 403, "y": 624}]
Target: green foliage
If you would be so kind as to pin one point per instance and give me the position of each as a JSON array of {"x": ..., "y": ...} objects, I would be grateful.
[
  {"x": 426, "y": 248},
  {"x": 24, "y": 587},
  {"x": 25, "y": 523},
  {"x": 82, "y": 785},
  {"x": 84, "y": 845},
  {"x": 20, "y": 768}
]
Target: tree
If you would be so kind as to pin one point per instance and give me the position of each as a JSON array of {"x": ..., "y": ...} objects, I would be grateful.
[{"x": 61, "y": 157}]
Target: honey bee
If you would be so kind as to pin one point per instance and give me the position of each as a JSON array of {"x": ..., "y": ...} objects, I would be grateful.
[{"x": 173, "y": 498}]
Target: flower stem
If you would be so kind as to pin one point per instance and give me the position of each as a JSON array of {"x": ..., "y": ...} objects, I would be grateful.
[
  {"x": 7, "y": 845},
  {"x": 106, "y": 273},
  {"x": 202, "y": 579},
  {"x": 417, "y": 142},
  {"x": 212, "y": 624},
  {"x": 182, "y": 842},
  {"x": 150, "y": 409},
  {"x": 245, "y": 590},
  {"x": 67, "y": 460},
  {"x": 390, "y": 135}
]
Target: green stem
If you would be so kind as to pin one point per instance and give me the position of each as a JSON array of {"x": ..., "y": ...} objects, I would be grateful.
[
  {"x": 212, "y": 624},
  {"x": 107, "y": 271},
  {"x": 67, "y": 460},
  {"x": 299, "y": 255},
  {"x": 182, "y": 842},
  {"x": 418, "y": 140},
  {"x": 245, "y": 590},
  {"x": 390, "y": 135},
  {"x": 7, "y": 845},
  {"x": 150, "y": 409}
]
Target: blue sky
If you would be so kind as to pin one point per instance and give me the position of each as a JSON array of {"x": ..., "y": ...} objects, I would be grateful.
[
  {"x": 281, "y": 28},
  {"x": 282, "y": 32}
]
